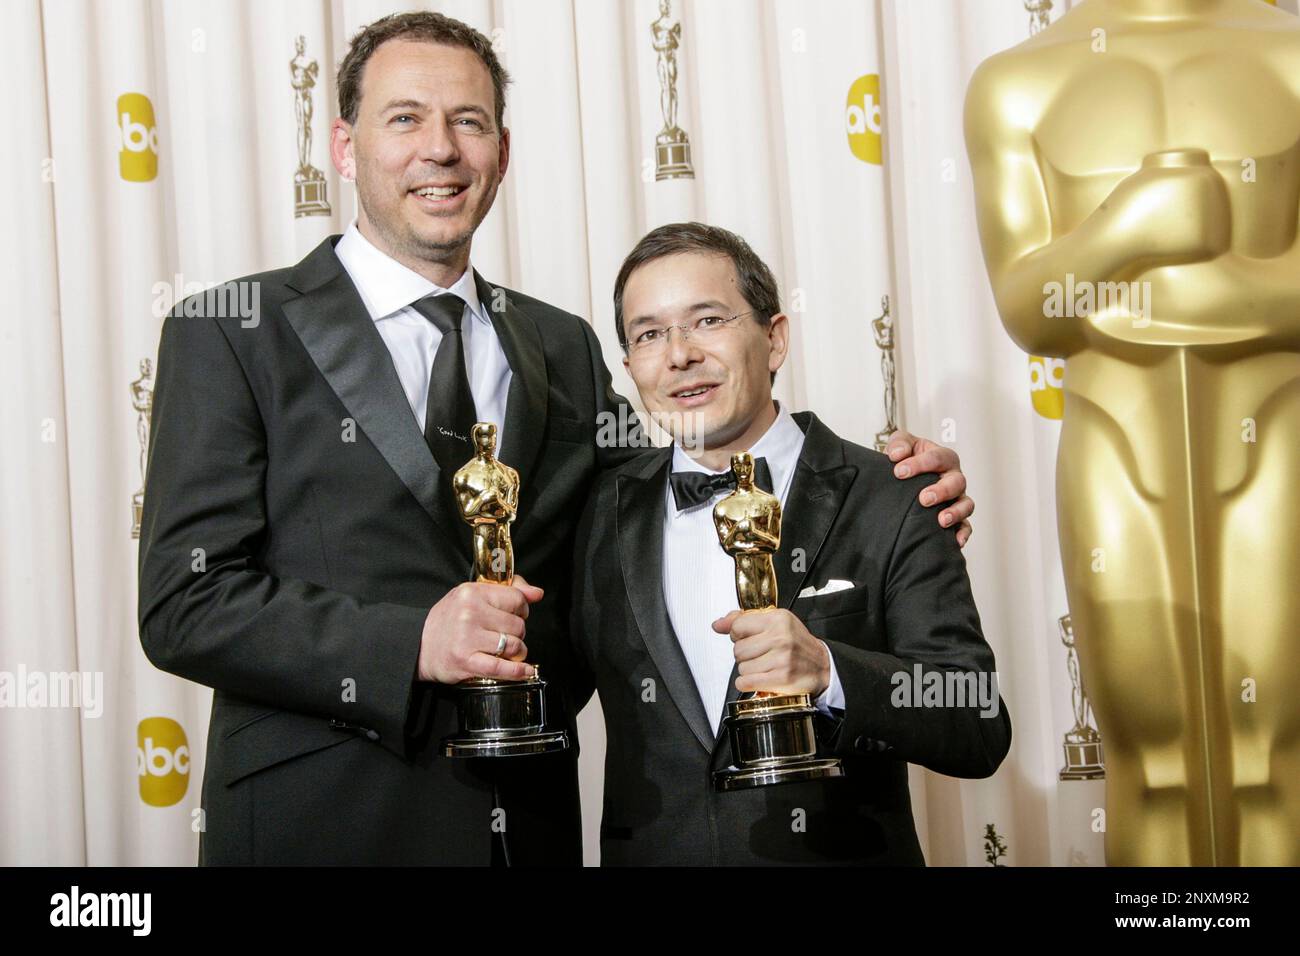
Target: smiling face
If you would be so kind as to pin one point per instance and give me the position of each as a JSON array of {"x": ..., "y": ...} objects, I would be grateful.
[
  {"x": 716, "y": 390},
  {"x": 426, "y": 154}
]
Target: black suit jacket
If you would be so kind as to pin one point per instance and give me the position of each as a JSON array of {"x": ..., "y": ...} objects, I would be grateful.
[
  {"x": 296, "y": 532},
  {"x": 850, "y": 519}
]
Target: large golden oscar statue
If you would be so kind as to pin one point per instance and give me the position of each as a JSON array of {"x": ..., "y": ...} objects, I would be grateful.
[{"x": 1136, "y": 169}]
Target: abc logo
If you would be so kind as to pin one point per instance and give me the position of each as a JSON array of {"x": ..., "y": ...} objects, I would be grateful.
[
  {"x": 162, "y": 761},
  {"x": 138, "y": 157},
  {"x": 1046, "y": 381},
  {"x": 862, "y": 118}
]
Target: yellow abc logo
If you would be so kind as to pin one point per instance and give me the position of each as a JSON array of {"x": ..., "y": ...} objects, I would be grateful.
[
  {"x": 1046, "y": 386},
  {"x": 138, "y": 155},
  {"x": 862, "y": 118},
  {"x": 162, "y": 761}
]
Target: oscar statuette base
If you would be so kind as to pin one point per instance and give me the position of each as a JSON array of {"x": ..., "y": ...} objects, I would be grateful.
[
  {"x": 310, "y": 193},
  {"x": 673, "y": 156},
  {"x": 773, "y": 741},
  {"x": 500, "y": 718},
  {"x": 1083, "y": 760}
]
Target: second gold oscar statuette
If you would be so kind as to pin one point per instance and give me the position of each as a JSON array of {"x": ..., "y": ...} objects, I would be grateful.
[{"x": 497, "y": 718}]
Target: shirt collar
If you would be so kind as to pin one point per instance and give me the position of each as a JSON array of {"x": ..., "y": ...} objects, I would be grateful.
[
  {"x": 386, "y": 286},
  {"x": 780, "y": 445}
]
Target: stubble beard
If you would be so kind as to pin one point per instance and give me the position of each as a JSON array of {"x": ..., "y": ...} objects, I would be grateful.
[{"x": 404, "y": 242}]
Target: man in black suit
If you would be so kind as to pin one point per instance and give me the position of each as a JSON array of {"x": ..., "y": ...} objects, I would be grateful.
[
  {"x": 300, "y": 550},
  {"x": 873, "y": 595}
]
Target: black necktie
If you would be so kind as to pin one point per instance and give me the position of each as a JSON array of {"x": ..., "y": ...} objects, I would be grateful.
[
  {"x": 691, "y": 488},
  {"x": 449, "y": 414}
]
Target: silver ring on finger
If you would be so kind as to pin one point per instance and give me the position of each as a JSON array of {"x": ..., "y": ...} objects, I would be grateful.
[{"x": 501, "y": 645}]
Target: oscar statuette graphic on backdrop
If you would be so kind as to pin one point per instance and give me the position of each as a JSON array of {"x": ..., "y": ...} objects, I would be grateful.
[
  {"x": 672, "y": 145},
  {"x": 1083, "y": 752},
  {"x": 882, "y": 327},
  {"x": 309, "y": 186},
  {"x": 142, "y": 402}
]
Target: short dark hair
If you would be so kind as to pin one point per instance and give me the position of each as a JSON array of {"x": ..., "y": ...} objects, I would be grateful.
[
  {"x": 757, "y": 284},
  {"x": 421, "y": 25}
]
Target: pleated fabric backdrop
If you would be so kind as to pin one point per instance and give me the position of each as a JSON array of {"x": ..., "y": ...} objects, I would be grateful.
[{"x": 154, "y": 154}]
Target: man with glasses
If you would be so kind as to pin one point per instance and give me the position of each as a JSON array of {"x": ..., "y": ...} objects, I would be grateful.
[{"x": 873, "y": 593}]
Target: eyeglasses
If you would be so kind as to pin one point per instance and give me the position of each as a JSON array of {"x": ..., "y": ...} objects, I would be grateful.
[{"x": 653, "y": 341}]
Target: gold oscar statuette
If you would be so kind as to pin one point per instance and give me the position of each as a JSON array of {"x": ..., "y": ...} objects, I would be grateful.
[
  {"x": 773, "y": 739},
  {"x": 498, "y": 718}
]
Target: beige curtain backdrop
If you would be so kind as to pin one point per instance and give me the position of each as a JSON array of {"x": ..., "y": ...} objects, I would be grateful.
[{"x": 827, "y": 133}]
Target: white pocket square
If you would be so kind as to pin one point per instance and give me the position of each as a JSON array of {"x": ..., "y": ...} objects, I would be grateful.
[{"x": 830, "y": 587}]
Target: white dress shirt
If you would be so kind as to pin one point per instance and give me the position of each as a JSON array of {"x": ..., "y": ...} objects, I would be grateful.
[
  {"x": 388, "y": 288},
  {"x": 699, "y": 582}
]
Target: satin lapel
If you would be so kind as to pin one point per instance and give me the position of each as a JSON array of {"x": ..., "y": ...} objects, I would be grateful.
[
  {"x": 335, "y": 328},
  {"x": 813, "y": 504},
  {"x": 640, "y": 532},
  {"x": 525, "y": 422}
]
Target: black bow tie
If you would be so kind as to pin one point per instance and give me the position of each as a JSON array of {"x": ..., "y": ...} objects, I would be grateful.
[{"x": 691, "y": 488}]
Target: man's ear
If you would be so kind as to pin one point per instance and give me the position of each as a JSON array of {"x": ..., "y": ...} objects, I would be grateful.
[
  {"x": 778, "y": 340},
  {"x": 503, "y": 152},
  {"x": 341, "y": 149}
]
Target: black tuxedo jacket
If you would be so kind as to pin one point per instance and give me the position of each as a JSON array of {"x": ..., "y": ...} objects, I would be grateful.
[
  {"x": 846, "y": 518},
  {"x": 296, "y": 532}
]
